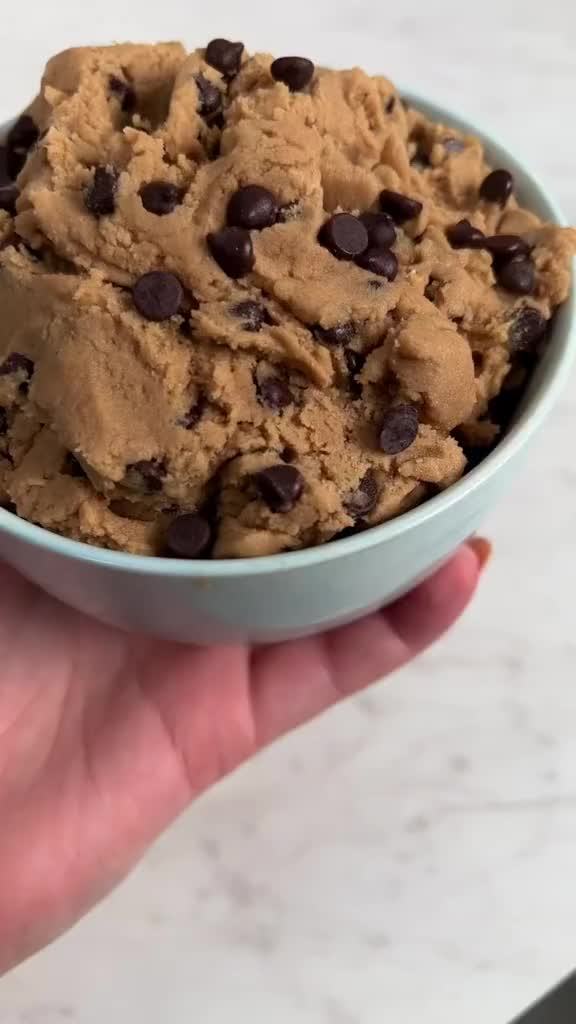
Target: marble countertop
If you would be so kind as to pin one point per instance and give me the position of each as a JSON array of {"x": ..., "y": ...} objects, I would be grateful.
[{"x": 410, "y": 856}]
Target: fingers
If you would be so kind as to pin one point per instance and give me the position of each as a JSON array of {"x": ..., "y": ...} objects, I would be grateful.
[{"x": 295, "y": 681}]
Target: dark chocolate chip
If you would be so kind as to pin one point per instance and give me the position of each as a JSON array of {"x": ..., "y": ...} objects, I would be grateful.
[
  {"x": 497, "y": 187},
  {"x": 71, "y": 467},
  {"x": 161, "y": 197},
  {"x": 295, "y": 72},
  {"x": 23, "y": 134},
  {"x": 275, "y": 393},
  {"x": 124, "y": 93},
  {"x": 379, "y": 261},
  {"x": 421, "y": 161},
  {"x": 526, "y": 330},
  {"x": 253, "y": 316},
  {"x": 344, "y": 235},
  {"x": 289, "y": 453},
  {"x": 146, "y": 475},
  {"x": 351, "y": 531},
  {"x": 452, "y": 145},
  {"x": 517, "y": 275},
  {"x": 287, "y": 212},
  {"x": 252, "y": 207},
  {"x": 158, "y": 295},
  {"x": 354, "y": 364},
  {"x": 100, "y": 196},
  {"x": 232, "y": 250},
  {"x": 381, "y": 229},
  {"x": 17, "y": 363},
  {"x": 280, "y": 487},
  {"x": 463, "y": 235},
  {"x": 189, "y": 536},
  {"x": 210, "y": 99},
  {"x": 364, "y": 499},
  {"x": 389, "y": 108},
  {"x": 340, "y": 334},
  {"x": 3, "y": 421},
  {"x": 400, "y": 207},
  {"x": 399, "y": 429},
  {"x": 192, "y": 418},
  {"x": 506, "y": 246},
  {"x": 21, "y": 137},
  {"x": 8, "y": 195},
  {"x": 225, "y": 56}
]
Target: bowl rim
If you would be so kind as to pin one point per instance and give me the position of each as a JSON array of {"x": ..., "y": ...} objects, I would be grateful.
[{"x": 560, "y": 353}]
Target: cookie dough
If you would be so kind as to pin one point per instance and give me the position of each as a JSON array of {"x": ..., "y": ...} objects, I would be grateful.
[{"x": 251, "y": 305}]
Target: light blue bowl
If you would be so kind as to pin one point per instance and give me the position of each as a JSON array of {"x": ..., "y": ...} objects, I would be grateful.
[{"x": 267, "y": 599}]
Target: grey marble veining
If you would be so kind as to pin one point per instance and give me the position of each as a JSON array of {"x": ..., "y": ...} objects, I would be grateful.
[{"x": 415, "y": 847}]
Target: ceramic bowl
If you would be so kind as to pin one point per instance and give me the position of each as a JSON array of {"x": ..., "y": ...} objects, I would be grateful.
[{"x": 262, "y": 600}]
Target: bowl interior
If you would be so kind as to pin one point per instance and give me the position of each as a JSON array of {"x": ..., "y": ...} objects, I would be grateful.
[{"x": 541, "y": 392}]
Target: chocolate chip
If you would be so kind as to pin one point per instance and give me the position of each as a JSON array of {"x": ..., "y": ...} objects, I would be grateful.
[
  {"x": 160, "y": 197},
  {"x": 158, "y": 295},
  {"x": 100, "y": 196},
  {"x": 8, "y": 195},
  {"x": 21, "y": 137},
  {"x": 364, "y": 499},
  {"x": 71, "y": 467},
  {"x": 17, "y": 363},
  {"x": 189, "y": 536},
  {"x": 399, "y": 429},
  {"x": 124, "y": 93},
  {"x": 225, "y": 56},
  {"x": 527, "y": 330},
  {"x": 253, "y": 316},
  {"x": 252, "y": 207},
  {"x": 210, "y": 98},
  {"x": 295, "y": 72},
  {"x": 275, "y": 393},
  {"x": 379, "y": 261},
  {"x": 389, "y": 108},
  {"x": 280, "y": 487},
  {"x": 232, "y": 250},
  {"x": 381, "y": 229},
  {"x": 401, "y": 208},
  {"x": 192, "y": 418},
  {"x": 340, "y": 334},
  {"x": 463, "y": 235},
  {"x": 506, "y": 246},
  {"x": 452, "y": 145},
  {"x": 351, "y": 531},
  {"x": 354, "y": 364},
  {"x": 344, "y": 235},
  {"x": 497, "y": 187},
  {"x": 289, "y": 453},
  {"x": 23, "y": 134},
  {"x": 146, "y": 475},
  {"x": 517, "y": 275},
  {"x": 3, "y": 421}
]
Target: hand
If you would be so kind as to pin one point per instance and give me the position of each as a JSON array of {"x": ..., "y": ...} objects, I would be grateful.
[{"x": 105, "y": 738}]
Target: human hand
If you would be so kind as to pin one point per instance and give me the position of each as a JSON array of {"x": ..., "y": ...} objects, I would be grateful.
[{"x": 105, "y": 738}]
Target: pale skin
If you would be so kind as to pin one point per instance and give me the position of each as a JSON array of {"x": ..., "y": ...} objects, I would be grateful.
[{"x": 105, "y": 739}]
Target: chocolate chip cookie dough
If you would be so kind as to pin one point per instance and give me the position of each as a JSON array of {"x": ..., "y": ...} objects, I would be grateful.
[{"x": 251, "y": 305}]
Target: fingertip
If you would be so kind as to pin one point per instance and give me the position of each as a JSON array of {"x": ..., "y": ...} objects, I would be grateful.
[{"x": 422, "y": 616}]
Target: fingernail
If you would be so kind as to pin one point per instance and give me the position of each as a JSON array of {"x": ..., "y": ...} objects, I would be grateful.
[{"x": 482, "y": 548}]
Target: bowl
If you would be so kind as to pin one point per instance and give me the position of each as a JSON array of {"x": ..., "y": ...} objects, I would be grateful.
[{"x": 264, "y": 600}]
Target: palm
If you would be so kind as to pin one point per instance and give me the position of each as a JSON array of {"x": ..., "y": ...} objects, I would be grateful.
[{"x": 105, "y": 738}]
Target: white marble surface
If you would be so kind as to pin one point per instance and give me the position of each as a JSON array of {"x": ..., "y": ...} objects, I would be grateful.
[{"x": 411, "y": 856}]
